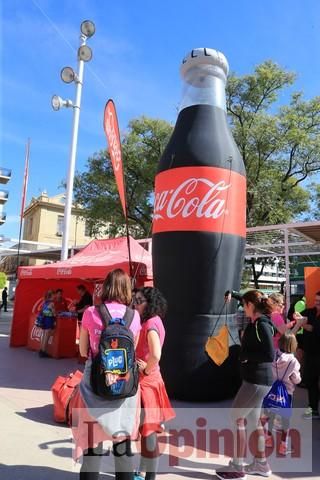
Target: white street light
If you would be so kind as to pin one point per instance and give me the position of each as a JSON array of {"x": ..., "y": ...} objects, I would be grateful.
[
  {"x": 87, "y": 28},
  {"x": 58, "y": 102},
  {"x": 85, "y": 53},
  {"x": 68, "y": 76}
]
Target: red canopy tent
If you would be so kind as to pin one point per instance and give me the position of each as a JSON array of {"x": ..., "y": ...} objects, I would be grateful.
[{"x": 88, "y": 267}]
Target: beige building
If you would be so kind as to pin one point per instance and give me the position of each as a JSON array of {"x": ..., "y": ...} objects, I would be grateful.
[{"x": 43, "y": 222}]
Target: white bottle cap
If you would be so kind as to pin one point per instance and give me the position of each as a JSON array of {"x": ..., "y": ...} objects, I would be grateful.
[{"x": 216, "y": 61}]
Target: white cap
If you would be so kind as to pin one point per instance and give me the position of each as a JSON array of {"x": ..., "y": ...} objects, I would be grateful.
[{"x": 206, "y": 56}]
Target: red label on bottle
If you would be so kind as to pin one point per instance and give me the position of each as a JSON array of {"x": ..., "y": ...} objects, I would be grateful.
[{"x": 205, "y": 199}]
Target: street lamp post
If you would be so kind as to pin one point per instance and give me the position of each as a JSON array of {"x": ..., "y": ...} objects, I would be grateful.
[{"x": 69, "y": 76}]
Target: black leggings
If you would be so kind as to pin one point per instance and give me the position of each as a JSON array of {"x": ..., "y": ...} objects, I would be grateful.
[
  {"x": 123, "y": 466},
  {"x": 312, "y": 376}
]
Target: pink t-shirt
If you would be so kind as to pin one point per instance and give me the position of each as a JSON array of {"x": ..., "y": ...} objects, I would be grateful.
[
  {"x": 277, "y": 320},
  {"x": 153, "y": 323},
  {"x": 91, "y": 321}
]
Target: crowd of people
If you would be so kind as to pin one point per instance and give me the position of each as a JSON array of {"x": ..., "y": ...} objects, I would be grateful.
[
  {"x": 268, "y": 356},
  {"x": 273, "y": 348}
]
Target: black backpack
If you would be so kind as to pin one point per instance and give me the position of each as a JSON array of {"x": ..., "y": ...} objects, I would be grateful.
[{"x": 116, "y": 355}]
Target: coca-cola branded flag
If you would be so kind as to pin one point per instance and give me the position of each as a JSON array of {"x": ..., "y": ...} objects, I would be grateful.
[
  {"x": 111, "y": 128},
  {"x": 200, "y": 199}
]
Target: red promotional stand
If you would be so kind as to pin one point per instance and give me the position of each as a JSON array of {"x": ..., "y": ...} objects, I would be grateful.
[
  {"x": 62, "y": 342},
  {"x": 89, "y": 267}
]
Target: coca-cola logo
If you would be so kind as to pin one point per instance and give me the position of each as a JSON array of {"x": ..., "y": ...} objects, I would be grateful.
[
  {"x": 37, "y": 305},
  {"x": 210, "y": 199},
  {"x": 36, "y": 333},
  {"x": 113, "y": 139},
  {"x": 26, "y": 272},
  {"x": 64, "y": 271},
  {"x": 195, "y": 196}
]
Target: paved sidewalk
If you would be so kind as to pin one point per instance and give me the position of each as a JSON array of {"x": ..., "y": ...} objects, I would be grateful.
[{"x": 34, "y": 447}]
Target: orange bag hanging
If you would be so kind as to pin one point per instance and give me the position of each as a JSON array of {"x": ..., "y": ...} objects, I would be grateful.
[{"x": 217, "y": 347}]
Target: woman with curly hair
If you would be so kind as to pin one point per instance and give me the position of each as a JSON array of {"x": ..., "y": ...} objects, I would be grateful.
[{"x": 156, "y": 407}]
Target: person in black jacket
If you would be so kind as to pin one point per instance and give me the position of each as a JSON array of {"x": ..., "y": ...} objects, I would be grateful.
[
  {"x": 4, "y": 299},
  {"x": 256, "y": 356},
  {"x": 310, "y": 321},
  {"x": 84, "y": 302}
]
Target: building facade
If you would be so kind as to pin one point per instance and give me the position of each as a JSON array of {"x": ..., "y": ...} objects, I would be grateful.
[
  {"x": 5, "y": 176},
  {"x": 43, "y": 222}
]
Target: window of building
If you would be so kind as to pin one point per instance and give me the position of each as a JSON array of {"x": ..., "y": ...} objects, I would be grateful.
[{"x": 60, "y": 225}]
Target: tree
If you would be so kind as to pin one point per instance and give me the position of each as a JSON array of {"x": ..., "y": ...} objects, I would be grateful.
[
  {"x": 96, "y": 190},
  {"x": 315, "y": 189},
  {"x": 280, "y": 146},
  {"x": 3, "y": 280},
  {"x": 280, "y": 149}
]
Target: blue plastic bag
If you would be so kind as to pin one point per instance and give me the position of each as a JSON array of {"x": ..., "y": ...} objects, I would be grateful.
[{"x": 278, "y": 400}]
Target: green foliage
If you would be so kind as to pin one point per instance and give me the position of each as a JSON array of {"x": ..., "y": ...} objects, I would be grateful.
[
  {"x": 3, "y": 280},
  {"x": 280, "y": 147},
  {"x": 315, "y": 189}
]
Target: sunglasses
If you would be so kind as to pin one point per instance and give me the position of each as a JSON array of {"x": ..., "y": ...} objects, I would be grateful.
[{"x": 139, "y": 300}]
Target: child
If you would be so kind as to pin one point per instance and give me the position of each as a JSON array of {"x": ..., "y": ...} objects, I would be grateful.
[
  {"x": 285, "y": 367},
  {"x": 46, "y": 322}
]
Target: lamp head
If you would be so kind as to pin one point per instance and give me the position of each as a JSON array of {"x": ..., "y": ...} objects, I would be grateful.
[
  {"x": 84, "y": 53},
  {"x": 57, "y": 102},
  {"x": 67, "y": 75},
  {"x": 88, "y": 28}
]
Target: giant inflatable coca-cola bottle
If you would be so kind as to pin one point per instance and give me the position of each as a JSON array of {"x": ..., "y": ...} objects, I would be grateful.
[{"x": 199, "y": 230}]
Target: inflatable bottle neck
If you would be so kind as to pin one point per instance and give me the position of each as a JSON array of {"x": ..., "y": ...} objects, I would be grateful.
[{"x": 204, "y": 85}]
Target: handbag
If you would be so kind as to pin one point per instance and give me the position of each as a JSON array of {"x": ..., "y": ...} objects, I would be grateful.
[
  {"x": 62, "y": 391},
  {"x": 217, "y": 346}
]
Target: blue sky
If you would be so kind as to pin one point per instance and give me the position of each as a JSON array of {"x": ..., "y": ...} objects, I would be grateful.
[{"x": 137, "y": 50}]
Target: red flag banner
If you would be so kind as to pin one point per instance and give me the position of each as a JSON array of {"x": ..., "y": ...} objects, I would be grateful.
[
  {"x": 25, "y": 180},
  {"x": 111, "y": 128}
]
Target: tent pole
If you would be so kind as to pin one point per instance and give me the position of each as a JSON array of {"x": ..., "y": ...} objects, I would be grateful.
[
  {"x": 128, "y": 243},
  {"x": 287, "y": 267}
]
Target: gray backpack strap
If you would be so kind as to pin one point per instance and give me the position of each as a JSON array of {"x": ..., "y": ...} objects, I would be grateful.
[
  {"x": 285, "y": 371},
  {"x": 104, "y": 314},
  {"x": 128, "y": 316}
]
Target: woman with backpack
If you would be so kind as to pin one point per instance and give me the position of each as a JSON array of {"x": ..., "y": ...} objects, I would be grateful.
[
  {"x": 285, "y": 368},
  {"x": 156, "y": 407},
  {"x": 113, "y": 418},
  {"x": 256, "y": 357}
]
